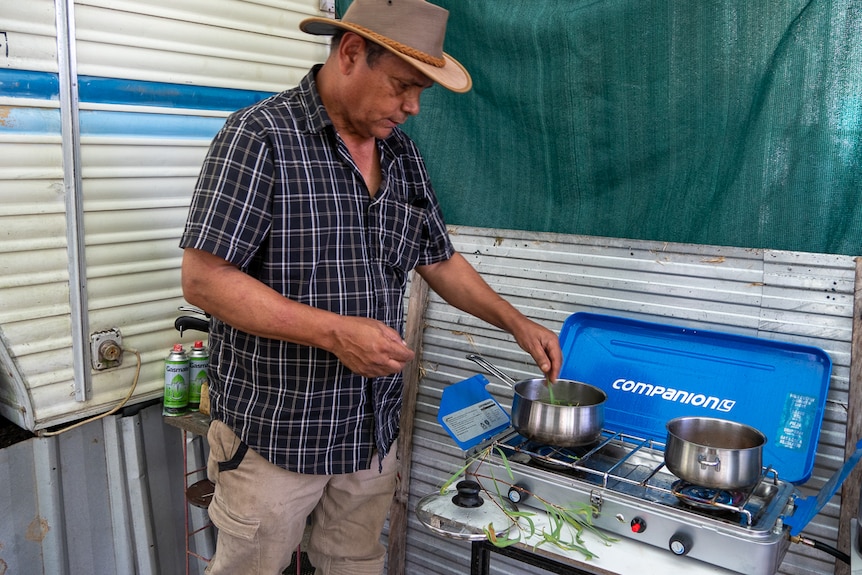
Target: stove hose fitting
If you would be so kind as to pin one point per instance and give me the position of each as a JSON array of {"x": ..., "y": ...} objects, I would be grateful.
[{"x": 840, "y": 555}]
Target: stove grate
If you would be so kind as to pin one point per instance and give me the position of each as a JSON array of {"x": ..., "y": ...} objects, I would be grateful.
[{"x": 624, "y": 462}]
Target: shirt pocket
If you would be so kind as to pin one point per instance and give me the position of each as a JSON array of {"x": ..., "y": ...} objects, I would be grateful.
[{"x": 400, "y": 230}]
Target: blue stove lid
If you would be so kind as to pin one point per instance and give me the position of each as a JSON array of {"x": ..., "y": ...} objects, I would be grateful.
[{"x": 653, "y": 373}]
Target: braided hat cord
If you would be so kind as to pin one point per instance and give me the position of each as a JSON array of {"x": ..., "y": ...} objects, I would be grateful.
[{"x": 403, "y": 48}]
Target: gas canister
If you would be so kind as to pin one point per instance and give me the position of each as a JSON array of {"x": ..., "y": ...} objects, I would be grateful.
[
  {"x": 199, "y": 359},
  {"x": 176, "y": 398}
]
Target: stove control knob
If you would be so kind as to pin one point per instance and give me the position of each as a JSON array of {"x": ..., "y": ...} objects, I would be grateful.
[
  {"x": 680, "y": 544},
  {"x": 638, "y": 525},
  {"x": 518, "y": 493}
]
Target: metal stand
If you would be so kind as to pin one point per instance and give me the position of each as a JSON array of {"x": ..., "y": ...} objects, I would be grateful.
[
  {"x": 855, "y": 555},
  {"x": 198, "y": 494},
  {"x": 480, "y": 560},
  {"x": 197, "y": 489}
]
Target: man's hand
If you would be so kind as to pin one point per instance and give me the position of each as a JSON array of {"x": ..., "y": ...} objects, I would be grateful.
[
  {"x": 542, "y": 344},
  {"x": 369, "y": 348}
]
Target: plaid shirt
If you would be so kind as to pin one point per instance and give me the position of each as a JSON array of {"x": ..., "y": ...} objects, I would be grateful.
[{"x": 280, "y": 197}]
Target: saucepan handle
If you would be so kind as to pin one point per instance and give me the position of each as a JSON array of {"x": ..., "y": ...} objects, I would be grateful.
[
  {"x": 491, "y": 368},
  {"x": 716, "y": 463}
]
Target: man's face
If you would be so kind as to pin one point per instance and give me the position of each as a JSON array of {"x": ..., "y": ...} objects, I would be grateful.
[{"x": 384, "y": 95}]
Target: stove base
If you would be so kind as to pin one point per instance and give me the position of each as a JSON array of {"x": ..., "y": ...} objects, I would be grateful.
[
  {"x": 480, "y": 560},
  {"x": 652, "y": 517}
]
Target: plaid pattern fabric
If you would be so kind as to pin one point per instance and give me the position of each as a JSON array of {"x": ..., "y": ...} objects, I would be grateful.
[{"x": 280, "y": 197}]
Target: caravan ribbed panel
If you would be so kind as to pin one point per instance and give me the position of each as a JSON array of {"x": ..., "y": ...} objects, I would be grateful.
[
  {"x": 34, "y": 306},
  {"x": 155, "y": 80},
  {"x": 30, "y": 36},
  {"x": 226, "y": 43}
]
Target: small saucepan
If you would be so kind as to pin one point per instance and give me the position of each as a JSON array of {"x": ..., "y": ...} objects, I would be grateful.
[
  {"x": 574, "y": 418},
  {"x": 714, "y": 453}
]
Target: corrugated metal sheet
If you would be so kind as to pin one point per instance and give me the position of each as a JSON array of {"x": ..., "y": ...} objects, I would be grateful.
[
  {"x": 796, "y": 297},
  {"x": 155, "y": 81},
  {"x": 106, "y": 497}
]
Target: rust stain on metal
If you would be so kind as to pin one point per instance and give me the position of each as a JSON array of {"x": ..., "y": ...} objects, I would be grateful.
[
  {"x": 5, "y": 112},
  {"x": 718, "y": 260},
  {"x": 498, "y": 241},
  {"x": 37, "y": 529}
]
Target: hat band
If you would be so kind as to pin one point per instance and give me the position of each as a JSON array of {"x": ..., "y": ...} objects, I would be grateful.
[{"x": 403, "y": 48}]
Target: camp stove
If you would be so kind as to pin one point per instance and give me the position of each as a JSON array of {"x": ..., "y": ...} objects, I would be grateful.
[
  {"x": 631, "y": 493},
  {"x": 653, "y": 373}
]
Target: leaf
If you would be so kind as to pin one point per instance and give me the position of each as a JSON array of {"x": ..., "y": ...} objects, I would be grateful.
[
  {"x": 579, "y": 548},
  {"x": 457, "y": 475},
  {"x": 527, "y": 517},
  {"x": 449, "y": 482},
  {"x": 556, "y": 521},
  {"x": 582, "y": 518},
  {"x": 505, "y": 462},
  {"x": 497, "y": 541}
]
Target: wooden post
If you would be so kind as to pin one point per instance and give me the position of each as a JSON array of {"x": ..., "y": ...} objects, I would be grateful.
[
  {"x": 850, "y": 489},
  {"x": 398, "y": 511}
]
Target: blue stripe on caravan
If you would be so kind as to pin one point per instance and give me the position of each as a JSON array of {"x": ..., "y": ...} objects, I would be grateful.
[
  {"x": 15, "y": 120},
  {"x": 29, "y": 84},
  {"x": 140, "y": 125},
  {"x": 46, "y": 86},
  {"x": 139, "y": 93},
  {"x": 21, "y": 120}
]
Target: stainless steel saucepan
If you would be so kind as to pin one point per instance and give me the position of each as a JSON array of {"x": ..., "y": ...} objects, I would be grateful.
[
  {"x": 714, "y": 452},
  {"x": 574, "y": 417}
]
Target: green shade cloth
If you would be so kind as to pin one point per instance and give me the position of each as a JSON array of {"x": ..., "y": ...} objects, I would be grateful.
[{"x": 711, "y": 122}]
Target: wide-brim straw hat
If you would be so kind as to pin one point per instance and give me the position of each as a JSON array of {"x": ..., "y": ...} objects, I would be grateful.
[{"x": 413, "y": 30}]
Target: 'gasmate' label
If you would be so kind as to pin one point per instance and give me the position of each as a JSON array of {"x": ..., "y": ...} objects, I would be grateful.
[{"x": 176, "y": 385}]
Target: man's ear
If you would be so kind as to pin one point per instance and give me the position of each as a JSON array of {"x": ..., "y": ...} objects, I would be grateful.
[{"x": 350, "y": 50}]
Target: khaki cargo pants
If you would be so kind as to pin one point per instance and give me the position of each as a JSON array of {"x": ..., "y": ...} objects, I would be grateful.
[{"x": 261, "y": 509}]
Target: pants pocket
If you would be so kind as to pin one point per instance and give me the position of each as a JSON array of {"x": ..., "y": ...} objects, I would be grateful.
[
  {"x": 235, "y": 459},
  {"x": 227, "y": 451},
  {"x": 227, "y": 522},
  {"x": 238, "y": 548}
]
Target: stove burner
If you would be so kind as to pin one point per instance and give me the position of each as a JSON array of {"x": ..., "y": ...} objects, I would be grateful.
[
  {"x": 707, "y": 498},
  {"x": 554, "y": 458},
  {"x": 549, "y": 457}
]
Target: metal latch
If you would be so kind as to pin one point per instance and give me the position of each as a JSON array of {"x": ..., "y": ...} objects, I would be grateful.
[{"x": 596, "y": 501}]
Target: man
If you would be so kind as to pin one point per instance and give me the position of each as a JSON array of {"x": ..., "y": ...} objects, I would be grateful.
[{"x": 311, "y": 209}]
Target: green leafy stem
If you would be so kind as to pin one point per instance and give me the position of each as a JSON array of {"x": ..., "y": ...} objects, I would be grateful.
[{"x": 567, "y": 524}]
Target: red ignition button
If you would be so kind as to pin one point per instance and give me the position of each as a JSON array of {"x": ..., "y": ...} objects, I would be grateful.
[{"x": 638, "y": 525}]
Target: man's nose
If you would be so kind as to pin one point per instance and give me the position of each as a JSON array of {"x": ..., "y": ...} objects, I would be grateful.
[{"x": 410, "y": 105}]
